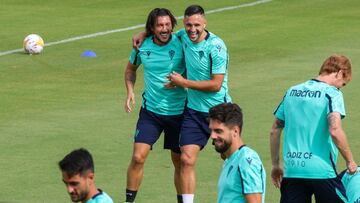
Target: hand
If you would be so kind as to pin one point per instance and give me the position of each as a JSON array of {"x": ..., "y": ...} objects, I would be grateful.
[
  {"x": 170, "y": 85},
  {"x": 138, "y": 39},
  {"x": 352, "y": 167},
  {"x": 176, "y": 79},
  {"x": 277, "y": 174},
  {"x": 130, "y": 100}
]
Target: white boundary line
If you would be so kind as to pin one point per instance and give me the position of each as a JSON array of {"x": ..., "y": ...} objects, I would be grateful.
[{"x": 133, "y": 27}]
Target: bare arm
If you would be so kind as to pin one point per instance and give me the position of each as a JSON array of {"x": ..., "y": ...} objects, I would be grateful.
[
  {"x": 253, "y": 198},
  {"x": 212, "y": 85},
  {"x": 130, "y": 78},
  {"x": 138, "y": 39},
  {"x": 276, "y": 172},
  {"x": 338, "y": 136}
]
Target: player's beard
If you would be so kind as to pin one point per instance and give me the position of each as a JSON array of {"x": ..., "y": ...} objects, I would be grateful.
[
  {"x": 163, "y": 41},
  {"x": 193, "y": 36},
  {"x": 78, "y": 197},
  {"x": 223, "y": 147},
  {"x": 196, "y": 35}
]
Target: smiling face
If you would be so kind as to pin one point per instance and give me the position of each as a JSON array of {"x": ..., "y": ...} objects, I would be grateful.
[
  {"x": 221, "y": 135},
  {"x": 195, "y": 27},
  {"x": 162, "y": 30},
  {"x": 78, "y": 186}
]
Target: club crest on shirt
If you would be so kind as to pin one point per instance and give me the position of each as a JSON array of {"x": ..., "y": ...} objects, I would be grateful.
[
  {"x": 171, "y": 54},
  {"x": 201, "y": 54},
  {"x": 218, "y": 47},
  {"x": 148, "y": 53},
  {"x": 249, "y": 160}
]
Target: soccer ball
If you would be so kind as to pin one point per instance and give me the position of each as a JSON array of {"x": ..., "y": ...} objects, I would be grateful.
[{"x": 33, "y": 44}]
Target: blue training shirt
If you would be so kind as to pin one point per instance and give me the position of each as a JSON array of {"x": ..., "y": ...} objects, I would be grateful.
[
  {"x": 202, "y": 60},
  {"x": 159, "y": 62},
  {"x": 100, "y": 197},
  {"x": 352, "y": 186},
  {"x": 242, "y": 173},
  {"x": 308, "y": 149}
]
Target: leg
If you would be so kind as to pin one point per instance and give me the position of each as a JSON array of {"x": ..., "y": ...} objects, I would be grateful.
[
  {"x": 172, "y": 125},
  {"x": 194, "y": 136},
  {"x": 147, "y": 133},
  {"x": 187, "y": 170},
  {"x": 175, "y": 157},
  {"x": 136, "y": 168}
]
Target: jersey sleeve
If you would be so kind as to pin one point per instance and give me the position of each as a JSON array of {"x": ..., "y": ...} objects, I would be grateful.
[
  {"x": 279, "y": 111},
  {"x": 219, "y": 57},
  {"x": 135, "y": 57},
  {"x": 336, "y": 102},
  {"x": 251, "y": 174}
]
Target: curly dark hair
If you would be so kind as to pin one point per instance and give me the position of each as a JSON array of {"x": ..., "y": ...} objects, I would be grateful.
[{"x": 228, "y": 113}]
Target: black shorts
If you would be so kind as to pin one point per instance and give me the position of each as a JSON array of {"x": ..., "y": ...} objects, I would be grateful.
[
  {"x": 195, "y": 128},
  {"x": 300, "y": 190},
  {"x": 150, "y": 126}
]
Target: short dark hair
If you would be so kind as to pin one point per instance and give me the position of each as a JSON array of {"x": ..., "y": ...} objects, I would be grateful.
[
  {"x": 228, "y": 113},
  {"x": 193, "y": 9},
  {"x": 151, "y": 20},
  {"x": 78, "y": 161}
]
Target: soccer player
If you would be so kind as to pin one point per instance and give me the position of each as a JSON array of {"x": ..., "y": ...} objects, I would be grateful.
[
  {"x": 78, "y": 175},
  {"x": 206, "y": 60},
  {"x": 352, "y": 186},
  {"x": 310, "y": 114},
  {"x": 162, "y": 108},
  {"x": 243, "y": 176}
]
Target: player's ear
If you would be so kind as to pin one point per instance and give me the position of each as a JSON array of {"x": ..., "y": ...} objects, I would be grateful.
[
  {"x": 91, "y": 176},
  {"x": 236, "y": 131},
  {"x": 340, "y": 73}
]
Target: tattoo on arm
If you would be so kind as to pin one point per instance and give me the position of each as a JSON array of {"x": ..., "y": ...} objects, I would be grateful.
[
  {"x": 130, "y": 77},
  {"x": 279, "y": 124},
  {"x": 332, "y": 121},
  {"x": 130, "y": 73}
]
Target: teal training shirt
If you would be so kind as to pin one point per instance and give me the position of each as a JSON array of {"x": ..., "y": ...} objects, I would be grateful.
[
  {"x": 242, "y": 173},
  {"x": 308, "y": 150},
  {"x": 159, "y": 62},
  {"x": 101, "y": 197},
  {"x": 352, "y": 186},
  {"x": 202, "y": 60}
]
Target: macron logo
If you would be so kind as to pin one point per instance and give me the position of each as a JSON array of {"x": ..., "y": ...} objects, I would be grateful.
[
  {"x": 305, "y": 93},
  {"x": 249, "y": 160}
]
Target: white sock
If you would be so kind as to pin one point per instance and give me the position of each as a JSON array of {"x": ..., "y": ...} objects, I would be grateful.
[{"x": 188, "y": 198}]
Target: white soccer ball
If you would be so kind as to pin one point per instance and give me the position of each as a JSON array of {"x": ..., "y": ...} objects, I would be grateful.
[{"x": 33, "y": 44}]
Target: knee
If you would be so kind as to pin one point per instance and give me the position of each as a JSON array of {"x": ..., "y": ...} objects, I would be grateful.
[
  {"x": 138, "y": 159},
  {"x": 187, "y": 161}
]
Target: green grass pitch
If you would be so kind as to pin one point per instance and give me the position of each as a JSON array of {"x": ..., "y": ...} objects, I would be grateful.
[{"x": 57, "y": 101}]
